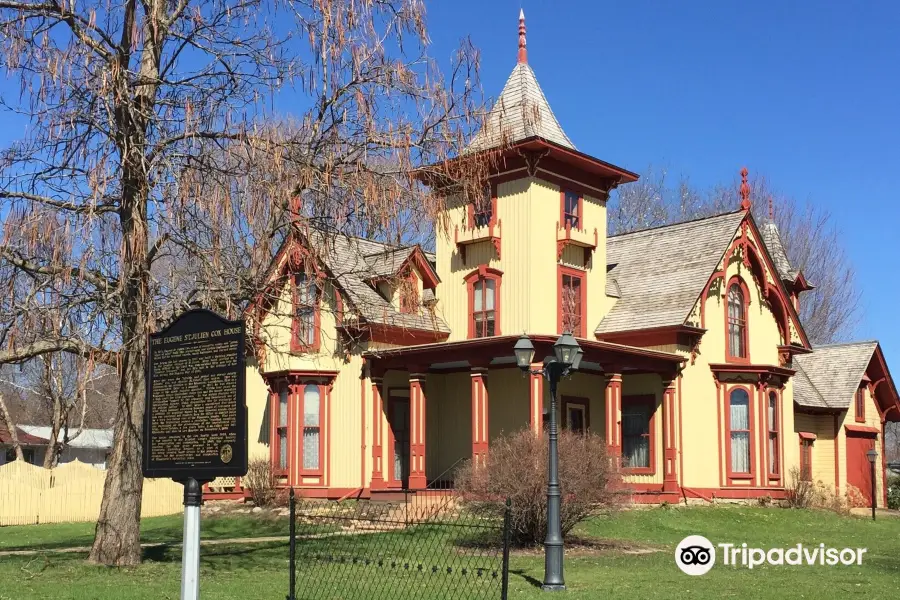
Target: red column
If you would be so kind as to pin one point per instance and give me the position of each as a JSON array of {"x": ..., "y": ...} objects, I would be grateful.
[
  {"x": 536, "y": 404},
  {"x": 417, "y": 431},
  {"x": 614, "y": 414},
  {"x": 479, "y": 415},
  {"x": 295, "y": 433},
  {"x": 377, "y": 436},
  {"x": 670, "y": 454}
]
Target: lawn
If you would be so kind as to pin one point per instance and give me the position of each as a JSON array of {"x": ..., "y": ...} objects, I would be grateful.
[{"x": 252, "y": 571}]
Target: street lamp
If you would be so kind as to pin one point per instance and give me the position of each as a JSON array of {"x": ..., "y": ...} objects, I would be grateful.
[
  {"x": 566, "y": 358},
  {"x": 872, "y": 455}
]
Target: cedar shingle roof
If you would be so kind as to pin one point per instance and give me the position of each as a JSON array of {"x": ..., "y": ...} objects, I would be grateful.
[
  {"x": 521, "y": 112},
  {"x": 354, "y": 262},
  {"x": 772, "y": 240},
  {"x": 833, "y": 373},
  {"x": 660, "y": 272}
]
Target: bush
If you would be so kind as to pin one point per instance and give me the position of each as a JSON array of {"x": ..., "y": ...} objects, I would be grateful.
[
  {"x": 800, "y": 492},
  {"x": 516, "y": 468},
  {"x": 894, "y": 492},
  {"x": 261, "y": 481}
]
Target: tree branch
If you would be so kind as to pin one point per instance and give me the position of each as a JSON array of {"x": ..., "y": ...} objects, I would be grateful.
[{"x": 41, "y": 347}]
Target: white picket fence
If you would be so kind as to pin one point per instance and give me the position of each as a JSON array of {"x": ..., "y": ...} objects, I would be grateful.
[{"x": 71, "y": 492}]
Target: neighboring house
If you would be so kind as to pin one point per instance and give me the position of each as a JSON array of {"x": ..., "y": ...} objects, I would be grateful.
[
  {"x": 382, "y": 367},
  {"x": 91, "y": 447}
]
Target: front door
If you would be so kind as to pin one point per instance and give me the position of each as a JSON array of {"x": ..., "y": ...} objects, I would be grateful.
[
  {"x": 398, "y": 418},
  {"x": 859, "y": 471}
]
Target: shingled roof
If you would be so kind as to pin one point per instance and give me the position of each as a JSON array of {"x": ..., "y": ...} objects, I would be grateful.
[
  {"x": 641, "y": 266},
  {"x": 355, "y": 262},
  {"x": 829, "y": 376},
  {"x": 772, "y": 240}
]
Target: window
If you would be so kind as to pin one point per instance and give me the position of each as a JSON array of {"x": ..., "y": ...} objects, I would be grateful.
[
  {"x": 571, "y": 209},
  {"x": 484, "y": 302},
  {"x": 281, "y": 430},
  {"x": 571, "y": 301},
  {"x": 774, "y": 425},
  {"x": 739, "y": 432},
  {"x": 637, "y": 434},
  {"x": 305, "y": 329},
  {"x": 861, "y": 405},
  {"x": 806, "y": 459},
  {"x": 737, "y": 321},
  {"x": 312, "y": 431},
  {"x": 483, "y": 210},
  {"x": 409, "y": 293},
  {"x": 576, "y": 414}
]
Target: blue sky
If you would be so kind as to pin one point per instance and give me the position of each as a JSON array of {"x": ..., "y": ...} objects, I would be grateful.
[{"x": 806, "y": 93}]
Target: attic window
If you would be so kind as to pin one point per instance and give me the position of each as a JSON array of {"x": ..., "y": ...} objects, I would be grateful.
[{"x": 305, "y": 325}]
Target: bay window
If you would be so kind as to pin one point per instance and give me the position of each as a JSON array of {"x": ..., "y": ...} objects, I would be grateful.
[
  {"x": 774, "y": 427},
  {"x": 281, "y": 431},
  {"x": 739, "y": 429},
  {"x": 312, "y": 431}
]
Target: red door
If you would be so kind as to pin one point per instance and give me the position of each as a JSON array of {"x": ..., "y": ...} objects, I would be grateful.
[{"x": 859, "y": 471}]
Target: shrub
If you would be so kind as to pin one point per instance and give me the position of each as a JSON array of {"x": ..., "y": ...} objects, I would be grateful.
[
  {"x": 261, "y": 481},
  {"x": 516, "y": 468},
  {"x": 894, "y": 492},
  {"x": 800, "y": 492}
]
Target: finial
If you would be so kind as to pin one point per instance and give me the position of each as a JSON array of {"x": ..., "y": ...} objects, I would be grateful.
[
  {"x": 523, "y": 51},
  {"x": 771, "y": 209},
  {"x": 745, "y": 190}
]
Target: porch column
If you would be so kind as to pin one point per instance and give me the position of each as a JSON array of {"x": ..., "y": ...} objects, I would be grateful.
[
  {"x": 536, "y": 402},
  {"x": 295, "y": 433},
  {"x": 670, "y": 479},
  {"x": 614, "y": 414},
  {"x": 479, "y": 415},
  {"x": 378, "y": 481},
  {"x": 417, "y": 431}
]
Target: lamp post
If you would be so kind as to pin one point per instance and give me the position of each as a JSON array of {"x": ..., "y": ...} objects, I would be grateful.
[
  {"x": 872, "y": 455},
  {"x": 566, "y": 358}
]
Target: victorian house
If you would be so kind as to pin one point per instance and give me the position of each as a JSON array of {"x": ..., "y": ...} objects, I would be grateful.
[{"x": 386, "y": 366}]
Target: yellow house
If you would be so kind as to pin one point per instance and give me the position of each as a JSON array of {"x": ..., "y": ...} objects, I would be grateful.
[{"x": 382, "y": 367}]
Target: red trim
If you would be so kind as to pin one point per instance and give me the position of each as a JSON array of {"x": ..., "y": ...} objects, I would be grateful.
[
  {"x": 805, "y": 435},
  {"x": 417, "y": 258},
  {"x": 720, "y": 390},
  {"x": 650, "y": 401},
  {"x": 483, "y": 273},
  {"x": 390, "y": 480},
  {"x": 378, "y": 417},
  {"x": 404, "y": 336},
  {"x": 771, "y": 428},
  {"x": 655, "y": 336},
  {"x": 323, "y": 428},
  {"x": 806, "y": 446},
  {"x": 536, "y": 399},
  {"x": 837, "y": 455},
  {"x": 751, "y": 433},
  {"x": 417, "y": 467},
  {"x": 480, "y": 412},
  {"x": 296, "y": 345},
  {"x": 670, "y": 478},
  {"x": 862, "y": 430},
  {"x": 582, "y": 276},
  {"x": 576, "y": 401},
  {"x": 745, "y": 293},
  {"x": 860, "y": 405}
]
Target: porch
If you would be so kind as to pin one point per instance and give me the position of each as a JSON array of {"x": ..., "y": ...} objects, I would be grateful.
[{"x": 438, "y": 404}]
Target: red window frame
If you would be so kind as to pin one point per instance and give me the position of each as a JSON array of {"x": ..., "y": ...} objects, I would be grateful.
[
  {"x": 301, "y": 401},
  {"x": 569, "y": 272},
  {"x": 860, "y": 405},
  {"x": 730, "y": 355},
  {"x": 475, "y": 217},
  {"x": 584, "y": 403},
  {"x": 649, "y": 400},
  {"x": 280, "y": 429},
  {"x": 296, "y": 344},
  {"x": 806, "y": 446},
  {"x": 482, "y": 274},
  {"x": 295, "y": 383},
  {"x": 409, "y": 293},
  {"x": 750, "y": 433},
  {"x": 567, "y": 218},
  {"x": 774, "y": 433}
]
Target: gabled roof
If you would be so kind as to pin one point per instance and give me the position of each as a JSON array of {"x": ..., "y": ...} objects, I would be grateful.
[
  {"x": 653, "y": 293},
  {"x": 832, "y": 374},
  {"x": 772, "y": 240},
  {"x": 95, "y": 439},
  {"x": 25, "y": 439}
]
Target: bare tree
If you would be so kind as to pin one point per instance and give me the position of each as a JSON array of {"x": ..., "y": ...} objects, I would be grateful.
[
  {"x": 153, "y": 173},
  {"x": 811, "y": 238}
]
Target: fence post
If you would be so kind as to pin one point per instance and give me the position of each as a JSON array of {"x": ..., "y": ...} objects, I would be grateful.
[
  {"x": 293, "y": 546},
  {"x": 504, "y": 589}
]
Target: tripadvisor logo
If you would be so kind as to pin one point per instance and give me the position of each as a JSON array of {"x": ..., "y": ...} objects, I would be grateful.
[{"x": 696, "y": 555}]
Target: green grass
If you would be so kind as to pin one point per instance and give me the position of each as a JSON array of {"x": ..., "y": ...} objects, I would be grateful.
[{"x": 260, "y": 570}]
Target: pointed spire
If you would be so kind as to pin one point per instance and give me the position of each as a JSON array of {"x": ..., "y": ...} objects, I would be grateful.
[
  {"x": 771, "y": 209},
  {"x": 523, "y": 51},
  {"x": 745, "y": 190}
]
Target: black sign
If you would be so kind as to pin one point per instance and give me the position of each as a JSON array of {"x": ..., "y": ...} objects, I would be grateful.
[{"x": 195, "y": 421}]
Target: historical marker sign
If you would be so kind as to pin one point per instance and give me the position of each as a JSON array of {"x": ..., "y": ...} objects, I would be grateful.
[{"x": 195, "y": 422}]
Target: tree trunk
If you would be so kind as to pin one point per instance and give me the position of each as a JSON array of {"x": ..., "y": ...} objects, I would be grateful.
[
  {"x": 4, "y": 414},
  {"x": 53, "y": 442}
]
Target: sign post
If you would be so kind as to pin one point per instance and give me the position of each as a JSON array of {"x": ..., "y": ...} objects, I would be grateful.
[{"x": 195, "y": 422}]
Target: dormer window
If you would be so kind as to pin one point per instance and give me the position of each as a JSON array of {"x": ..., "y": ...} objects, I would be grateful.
[
  {"x": 571, "y": 210},
  {"x": 305, "y": 326}
]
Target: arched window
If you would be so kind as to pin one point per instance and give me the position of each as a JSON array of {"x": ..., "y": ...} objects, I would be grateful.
[
  {"x": 737, "y": 321},
  {"x": 774, "y": 428},
  {"x": 305, "y": 327},
  {"x": 484, "y": 302},
  {"x": 739, "y": 430}
]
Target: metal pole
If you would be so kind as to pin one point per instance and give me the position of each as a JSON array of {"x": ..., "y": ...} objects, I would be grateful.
[
  {"x": 292, "y": 558},
  {"x": 190, "y": 549},
  {"x": 504, "y": 586},
  {"x": 873, "y": 490},
  {"x": 553, "y": 544}
]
